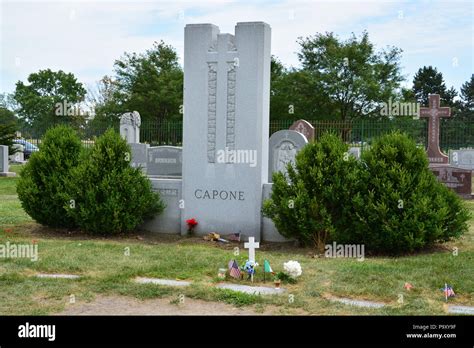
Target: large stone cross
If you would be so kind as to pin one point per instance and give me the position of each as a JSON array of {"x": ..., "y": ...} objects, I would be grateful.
[
  {"x": 222, "y": 61},
  {"x": 433, "y": 113},
  {"x": 252, "y": 245}
]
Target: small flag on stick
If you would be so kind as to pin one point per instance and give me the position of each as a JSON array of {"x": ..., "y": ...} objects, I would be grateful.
[
  {"x": 234, "y": 270},
  {"x": 266, "y": 268},
  {"x": 448, "y": 291}
]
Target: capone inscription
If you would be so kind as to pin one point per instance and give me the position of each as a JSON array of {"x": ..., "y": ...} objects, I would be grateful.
[{"x": 220, "y": 195}]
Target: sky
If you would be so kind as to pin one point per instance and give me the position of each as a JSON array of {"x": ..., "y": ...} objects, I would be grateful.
[{"x": 86, "y": 37}]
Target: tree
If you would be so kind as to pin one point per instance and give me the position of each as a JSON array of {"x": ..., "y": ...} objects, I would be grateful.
[
  {"x": 429, "y": 81},
  {"x": 38, "y": 101},
  {"x": 467, "y": 94},
  {"x": 150, "y": 83},
  {"x": 352, "y": 76},
  {"x": 295, "y": 94}
]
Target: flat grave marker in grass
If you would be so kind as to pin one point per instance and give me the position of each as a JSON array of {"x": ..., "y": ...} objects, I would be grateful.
[
  {"x": 158, "y": 281},
  {"x": 358, "y": 303},
  {"x": 461, "y": 310},
  {"x": 252, "y": 290},
  {"x": 58, "y": 276}
]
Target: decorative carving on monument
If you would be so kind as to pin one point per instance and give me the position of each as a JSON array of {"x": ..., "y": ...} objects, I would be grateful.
[
  {"x": 230, "y": 117},
  {"x": 131, "y": 118},
  {"x": 130, "y": 123},
  {"x": 211, "y": 112},
  {"x": 286, "y": 154},
  {"x": 303, "y": 127}
]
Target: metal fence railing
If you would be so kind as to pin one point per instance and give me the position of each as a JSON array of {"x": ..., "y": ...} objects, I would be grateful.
[{"x": 454, "y": 134}]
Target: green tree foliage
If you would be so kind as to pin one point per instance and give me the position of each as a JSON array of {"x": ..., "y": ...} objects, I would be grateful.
[
  {"x": 390, "y": 201},
  {"x": 427, "y": 81},
  {"x": 351, "y": 75},
  {"x": 42, "y": 184},
  {"x": 150, "y": 83},
  {"x": 37, "y": 100},
  {"x": 402, "y": 207},
  {"x": 296, "y": 94},
  {"x": 310, "y": 203},
  {"x": 110, "y": 196}
]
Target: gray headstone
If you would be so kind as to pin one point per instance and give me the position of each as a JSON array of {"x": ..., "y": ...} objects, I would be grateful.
[
  {"x": 252, "y": 290},
  {"x": 18, "y": 157},
  {"x": 226, "y": 107},
  {"x": 139, "y": 156},
  {"x": 130, "y": 127},
  {"x": 3, "y": 159},
  {"x": 354, "y": 151},
  {"x": 284, "y": 145},
  {"x": 165, "y": 161},
  {"x": 462, "y": 158}
]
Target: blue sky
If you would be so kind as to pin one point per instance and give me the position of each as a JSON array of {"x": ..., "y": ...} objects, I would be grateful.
[{"x": 85, "y": 37}]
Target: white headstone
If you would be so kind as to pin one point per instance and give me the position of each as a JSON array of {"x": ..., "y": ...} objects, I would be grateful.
[
  {"x": 252, "y": 245},
  {"x": 284, "y": 145},
  {"x": 226, "y": 108},
  {"x": 130, "y": 127},
  {"x": 18, "y": 156}
]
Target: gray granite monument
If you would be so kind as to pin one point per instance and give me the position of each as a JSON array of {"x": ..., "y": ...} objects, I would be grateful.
[
  {"x": 130, "y": 127},
  {"x": 4, "y": 165},
  {"x": 226, "y": 108}
]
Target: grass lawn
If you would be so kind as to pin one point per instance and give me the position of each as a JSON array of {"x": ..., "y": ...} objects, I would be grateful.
[{"x": 107, "y": 270}]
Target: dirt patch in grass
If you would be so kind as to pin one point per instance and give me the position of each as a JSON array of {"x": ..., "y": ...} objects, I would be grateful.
[{"x": 121, "y": 305}]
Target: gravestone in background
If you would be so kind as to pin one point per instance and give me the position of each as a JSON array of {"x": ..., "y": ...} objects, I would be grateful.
[
  {"x": 355, "y": 151},
  {"x": 305, "y": 128},
  {"x": 139, "y": 156},
  {"x": 165, "y": 161},
  {"x": 458, "y": 179},
  {"x": 130, "y": 127},
  {"x": 226, "y": 107},
  {"x": 462, "y": 158},
  {"x": 433, "y": 113},
  {"x": 4, "y": 166},
  {"x": 19, "y": 156},
  {"x": 283, "y": 147}
]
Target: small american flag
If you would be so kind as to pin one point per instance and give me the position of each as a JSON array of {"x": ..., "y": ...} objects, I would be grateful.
[
  {"x": 234, "y": 270},
  {"x": 448, "y": 291},
  {"x": 234, "y": 237}
]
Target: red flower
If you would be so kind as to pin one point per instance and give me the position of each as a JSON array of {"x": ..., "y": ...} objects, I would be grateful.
[{"x": 191, "y": 223}]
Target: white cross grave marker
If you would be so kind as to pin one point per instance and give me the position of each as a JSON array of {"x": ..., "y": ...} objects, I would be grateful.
[{"x": 252, "y": 245}]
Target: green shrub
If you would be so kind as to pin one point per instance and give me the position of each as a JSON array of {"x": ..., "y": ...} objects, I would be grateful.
[
  {"x": 402, "y": 206},
  {"x": 42, "y": 184},
  {"x": 312, "y": 202},
  {"x": 109, "y": 195}
]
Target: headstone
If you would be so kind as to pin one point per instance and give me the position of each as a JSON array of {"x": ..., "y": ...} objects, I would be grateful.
[
  {"x": 305, "y": 128},
  {"x": 252, "y": 245},
  {"x": 18, "y": 156},
  {"x": 130, "y": 127},
  {"x": 251, "y": 290},
  {"x": 354, "y": 151},
  {"x": 433, "y": 113},
  {"x": 139, "y": 156},
  {"x": 462, "y": 158},
  {"x": 226, "y": 107},
  {"x": 458, "y": 179},
  {"x": 165, "y": 161},
  {"x": 4, "y": 166},
  {"x": 284, "y": 145}
]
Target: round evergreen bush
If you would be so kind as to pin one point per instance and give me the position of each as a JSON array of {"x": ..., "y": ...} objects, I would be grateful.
[
  {"x": 42, "y": 184},
  {"x": 312, "y": 202},
  {"x": 109, "y": 195},
  {"x": 402, "y": 206}
]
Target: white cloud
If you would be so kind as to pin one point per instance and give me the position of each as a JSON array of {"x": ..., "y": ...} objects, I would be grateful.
[{"x": 85, "y": 37}]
